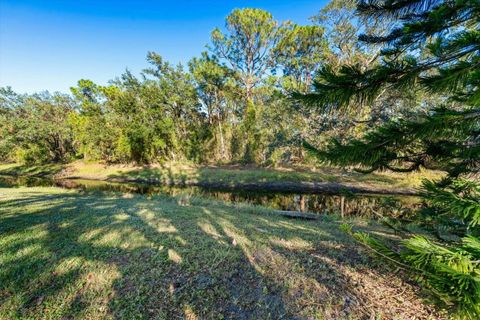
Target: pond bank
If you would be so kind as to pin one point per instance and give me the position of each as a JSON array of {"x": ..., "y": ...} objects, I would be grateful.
[
  {"x": 345, "y": 204},
  {"x": 294, "y": 179},
  {"x": 279, "y": 186}
]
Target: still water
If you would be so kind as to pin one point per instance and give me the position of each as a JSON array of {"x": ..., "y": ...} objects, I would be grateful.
[{"x": 344, "y": 204}]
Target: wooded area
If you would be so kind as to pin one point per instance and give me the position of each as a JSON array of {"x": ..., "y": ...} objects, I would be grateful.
[{"x": 231, "y": 104}]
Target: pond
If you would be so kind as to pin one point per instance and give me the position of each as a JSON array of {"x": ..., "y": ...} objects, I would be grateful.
[{"x": 343, "y": 204}]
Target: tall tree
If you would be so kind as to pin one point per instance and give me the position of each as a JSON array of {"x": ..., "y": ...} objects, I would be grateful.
[
  {"x": 173, "y": 95},
  {"x": 214, "y": 82},
  {"x": 248, "y": 45},
  {"x": 434, "y": 46},
  {"x": 342, "y": 26},
  {"x": 299, "y": 53}
]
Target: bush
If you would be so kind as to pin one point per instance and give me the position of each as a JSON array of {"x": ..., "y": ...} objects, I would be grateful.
[{"x": 33, "y": 154}]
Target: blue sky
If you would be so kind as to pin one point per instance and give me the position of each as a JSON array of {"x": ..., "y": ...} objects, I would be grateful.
[{"x": 49, "y": 45}]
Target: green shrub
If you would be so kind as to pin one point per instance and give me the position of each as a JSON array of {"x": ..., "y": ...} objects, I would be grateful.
[{"x": 33, "y": 154}]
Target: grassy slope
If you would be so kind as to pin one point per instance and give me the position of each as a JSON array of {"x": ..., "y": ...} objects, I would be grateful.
[
  {"x": 179, "y": 173},
  {"x": 37, "y": 170},
  {"x": 66, "y": 254}
]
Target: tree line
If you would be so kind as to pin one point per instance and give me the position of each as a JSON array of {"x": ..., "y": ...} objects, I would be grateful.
[{"x": 230, "y": 104}]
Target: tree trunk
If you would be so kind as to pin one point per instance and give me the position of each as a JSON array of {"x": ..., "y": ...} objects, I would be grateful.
[
  {"x": 302, "y": 203},
  {"x": 342, "y": 206},
  {"x": 222, "y": 142}
]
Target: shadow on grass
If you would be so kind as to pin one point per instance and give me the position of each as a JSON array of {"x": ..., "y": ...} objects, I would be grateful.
[
  {"x": 229, "y": 176},
  {"x": 73, "y": 255},
  {"x": 46, "y": 170}
]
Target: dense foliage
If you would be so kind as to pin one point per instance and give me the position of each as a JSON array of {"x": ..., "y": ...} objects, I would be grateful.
[
  {"x": 433, "y": 47},
  {"x": 227, "y": 105}
]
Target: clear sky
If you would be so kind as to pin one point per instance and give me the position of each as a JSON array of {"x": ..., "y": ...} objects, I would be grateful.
[{"x": 50, "y": 44}]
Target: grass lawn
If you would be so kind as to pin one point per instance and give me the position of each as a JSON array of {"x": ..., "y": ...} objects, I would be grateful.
[
  {"x": 183, "y": 173},
  {"x": 72, "y": 255}
]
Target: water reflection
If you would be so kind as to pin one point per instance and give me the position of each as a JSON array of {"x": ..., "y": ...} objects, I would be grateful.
[{"x": 345, "y": 205}]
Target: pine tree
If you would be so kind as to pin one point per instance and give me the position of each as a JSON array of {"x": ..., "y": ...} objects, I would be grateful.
[{"x": 433, "y": 47}]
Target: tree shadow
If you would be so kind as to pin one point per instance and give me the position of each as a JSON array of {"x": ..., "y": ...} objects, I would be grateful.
[
  {"x": 154, "y": 175},
  {"x": 32, "y": 170},
  {"x": 73, "y": 255},
  {"x": 234, "y": 174},
  {"x": 158, "y": 276}
]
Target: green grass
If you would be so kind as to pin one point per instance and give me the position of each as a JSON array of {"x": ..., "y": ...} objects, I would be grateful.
[
  {"x": 183, "y": 173},
  {"x": 65, "y": 254},
  {"x": 35, "y": 170}
]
